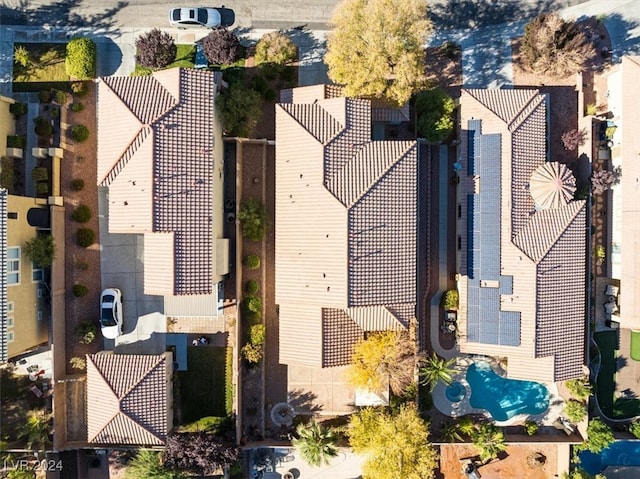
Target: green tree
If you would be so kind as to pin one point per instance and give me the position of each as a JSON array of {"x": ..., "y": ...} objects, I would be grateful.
[
  {"x": 253, "y": 219},
  {"x": 81, "y": 58},
  {"x": 376, "y": 48},
  {"x": 22, "y": 57},
  {"x": 275, "y": 48},
  {"x": 384, "y": 360},
  {"x": 316, "y": 443},
  {"x": 575, "y": 411},
  {"x": 450, "y": 432},
  {"x": 240, "y": 110},
  {"x": 489, "y": 440},
  {"x": 580, "y": 388},
  {"x": 466, "y": 426},
  {"x": 435, "y": 369},
  {"x": 531, "y": 428},
  {"x": 599, "y": 436},
  {"x": 41, "y": 250},
  {"x": 147, "y": 465},
  {"x": 395, "y": 446},
  {"x": 555, "y": 47},
  {"x": 634, "y": 428},
  {"x": 36, "y": 430},
  {"x": 434, "y": 110}
]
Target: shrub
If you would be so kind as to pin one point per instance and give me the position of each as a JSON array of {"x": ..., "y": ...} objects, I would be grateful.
[
  {"x": 77, "y": 184},
  {"x": 82, "y": 265},
  {"x": 572, "y": 139},
  {"x": 81, "y": 58},
  {"x": 41, "y": 250},
  {"x": 76, "y": 107},
  {"x": 78, "y": 363},
  {"x": 575, "y": 411},
  {"x": 22, "y": 57},
  {"x": 277, "y": 48},
  {"x": 7, "y": 174},
  {"x": 257, "y": 334},
  {"x": 434, "y": 110},
  {"x": 44, "y": 96},
  {"x": 259, "y": 84},
  {"x": 79, "y": 88},
  {"x": 252, "y": 353},
  {"x": 531, "y": 428},
  {"x": 253, "y": 218},
  {"x": 86, "y": 331},
  {"x": 579, "y": 388},
  {"x": 79, "y": 290},
  {"x": 253, "y": 317},
  {"x": 85, "y": 237},
  {"x": 634, "y": 428},
  {"x": 252, "y": 261},
  {"x": 221, "y": 46},
  {"x": 16, "y": 141},
  {"x": 450, "y": 300},
  {"x": 81, "y": 214},
  {"x": 155, "y": 49},
  {"x": 252, "y": 304},
  {"x": 55, "y": 112},
  {"x": 79, "y": 133},
  {"x": 591, "y": 109},
  {"x": 61, "y": 97},
  {"x": 240, "y": 110},
  {"x": 18, "y": 108},
  {"x": 42, "y": 188},
  {"x": 251, "y": 286},
  {"x": 40, "y": 174},
  {"x": 43, "y": 127}
]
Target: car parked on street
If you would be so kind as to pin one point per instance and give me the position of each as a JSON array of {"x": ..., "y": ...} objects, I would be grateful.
[
  {"x": 111, "y": 313},
  {"x": 191, "y": 17}
]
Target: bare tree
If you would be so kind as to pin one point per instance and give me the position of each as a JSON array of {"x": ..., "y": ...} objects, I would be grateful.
[
  {"x": 555, "y": 47},
  {"x": 601, "y": 181},
  {"x": 572, "y": 139}
]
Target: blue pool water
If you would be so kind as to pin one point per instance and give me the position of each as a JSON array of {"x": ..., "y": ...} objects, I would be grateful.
[
  {"x": 504, "y": 398},
  {"x": 455, "y": 392},
  {"x": 620, "y": 453}
]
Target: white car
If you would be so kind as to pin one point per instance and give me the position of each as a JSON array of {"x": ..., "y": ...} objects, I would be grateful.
[
  {"x": 201, "y": 17},
  {"x": 111, "y": 313}
]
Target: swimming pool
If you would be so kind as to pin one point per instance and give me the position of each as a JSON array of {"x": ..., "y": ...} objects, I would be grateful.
[
  {"x": 504, "y": 398},
  {"x": 620, "y": 453}
]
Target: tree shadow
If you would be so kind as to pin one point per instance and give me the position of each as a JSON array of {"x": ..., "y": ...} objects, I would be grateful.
[
  {"x": 58, "y": 14},
  {"x": 304, "y": 401},
  {"x": 624, "y": 38},
  {"x": 460, "y": 14}
]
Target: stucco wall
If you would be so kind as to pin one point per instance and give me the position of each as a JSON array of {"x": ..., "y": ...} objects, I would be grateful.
[{"x": 7, "y": 124}]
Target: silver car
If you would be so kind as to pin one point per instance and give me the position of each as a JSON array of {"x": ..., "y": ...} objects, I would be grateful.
[
  {"x": 111, "y": 313},
  {"x": 201, "y": 17}
]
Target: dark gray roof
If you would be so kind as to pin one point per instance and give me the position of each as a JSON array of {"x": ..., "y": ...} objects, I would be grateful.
[
  {"x": 339, "y": 333},
  {"x": 3, "y": 275}
]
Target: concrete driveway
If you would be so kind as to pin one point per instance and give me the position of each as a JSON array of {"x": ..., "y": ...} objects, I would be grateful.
[{"x": 121, "y": 266}]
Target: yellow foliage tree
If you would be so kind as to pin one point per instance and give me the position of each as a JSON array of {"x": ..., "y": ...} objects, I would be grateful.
[
  {"x": 376, "y": 49},
  {"x": 383, "y": 360},
  {"x": 395, "y": 446}
]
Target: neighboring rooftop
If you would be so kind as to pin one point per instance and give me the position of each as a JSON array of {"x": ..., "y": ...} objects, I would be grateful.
[
  {"x": 346, "y": 212},
  {"x": 129, "y": 399},
  {"x": 525, "y": 240},
  {"x": 156, "y": 139}
]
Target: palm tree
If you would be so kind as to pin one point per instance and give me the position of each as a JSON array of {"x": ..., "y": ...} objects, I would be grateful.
[
  {"x": 147, "y": 465},
  {"x": 450, "y": 432},
  {"x": 466, "y": 426},
  {"x": 317, "y": 444},
  {"x": 435, "y": 369},
  {"x": 36, "y": 430},
  {"x": 489, "y": 440}
]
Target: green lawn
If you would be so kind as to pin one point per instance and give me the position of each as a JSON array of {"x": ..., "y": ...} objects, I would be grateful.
[
  {"x": 615, "y": 408},
  {"x": 47, "y": 64},
  {"x": 202, "y": 387},
  {"x": 185, "y": 58},
  {"x": 635, "y": 345}
]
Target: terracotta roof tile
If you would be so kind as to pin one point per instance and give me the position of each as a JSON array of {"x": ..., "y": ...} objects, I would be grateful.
[
  {"x": 127, "y": 399},
  {"x": 339, "y": 334},
  {"x": 505, "y": 103}
]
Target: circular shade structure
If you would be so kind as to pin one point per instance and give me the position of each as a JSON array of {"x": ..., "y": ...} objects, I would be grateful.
[{"x": 552, "y": 185}]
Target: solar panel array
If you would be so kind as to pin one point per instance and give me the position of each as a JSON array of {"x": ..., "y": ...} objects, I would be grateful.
[{"x": 486, "y": 323}]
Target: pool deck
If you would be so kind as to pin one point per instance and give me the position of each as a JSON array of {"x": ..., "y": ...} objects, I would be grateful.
[{"x": 462, "y": 408}]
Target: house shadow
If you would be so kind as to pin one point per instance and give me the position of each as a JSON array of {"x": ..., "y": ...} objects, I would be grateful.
[{"x": 623, "y": 39}]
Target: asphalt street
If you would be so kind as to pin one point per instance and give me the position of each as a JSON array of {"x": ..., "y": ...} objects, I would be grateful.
[{"x": 259, "y": 14}]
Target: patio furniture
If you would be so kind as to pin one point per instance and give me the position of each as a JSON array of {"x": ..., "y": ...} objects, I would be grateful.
[
  {"x": 612, "y": 290},
  {"x": 36, "y": 390},
  {"x": 610, "y": 307}
]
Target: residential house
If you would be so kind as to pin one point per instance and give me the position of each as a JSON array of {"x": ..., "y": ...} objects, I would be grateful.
[
  {"x": 522, "y": 240},
  {"x": 624, "y": 242},
  {"x": 24, "y": 311},
  {"x": 160, "y": 155},
  {"x": 345, "y": 226},
  {"x": 129, "y": 399}
]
